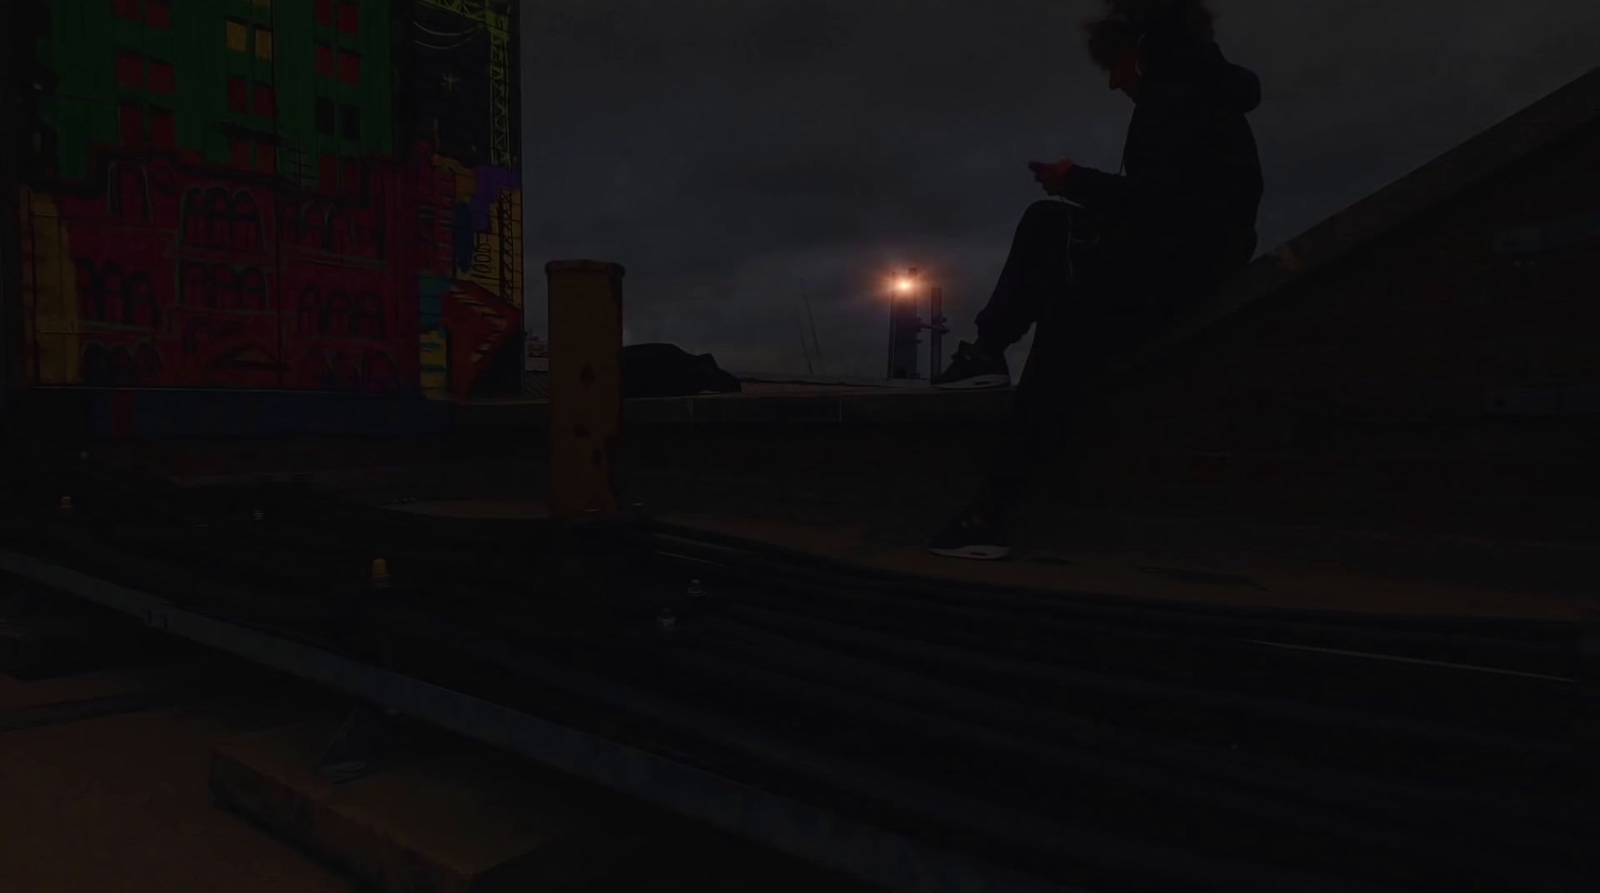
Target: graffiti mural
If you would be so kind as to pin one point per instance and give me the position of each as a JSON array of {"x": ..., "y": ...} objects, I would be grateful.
[
  {"x": 469, "y": 216},
  {"x": 229, "y": 193}
]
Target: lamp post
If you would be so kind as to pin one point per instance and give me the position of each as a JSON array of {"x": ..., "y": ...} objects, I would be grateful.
[
  {"x": 937, "y": 330},
  {"x": 903, "y": 326}
]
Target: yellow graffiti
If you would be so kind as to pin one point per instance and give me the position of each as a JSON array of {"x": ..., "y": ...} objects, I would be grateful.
[
  {"x": 485, "y": 269},
  {"x": 496, "y": 254},
  {"x": 511, "y": 246},
  {"x": 435, "y": 378},
  {"x": 496, "y": 263},
  {"x": 497, "y": 259},
  {"x": 50, "y": 290},
  {"x": 471, "y": 10},
  {"x": 461, "y": 177}
]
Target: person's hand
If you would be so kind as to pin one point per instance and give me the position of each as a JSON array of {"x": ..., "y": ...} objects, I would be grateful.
[{"x": 1051, "y": 174}]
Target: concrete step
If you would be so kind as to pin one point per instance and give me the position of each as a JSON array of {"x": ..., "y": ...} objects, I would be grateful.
[
  {"x": 1442, "y": 478},
  {"x": 110, "y": 794},
  {"x": 44, "y": 637},
  {"x": 843, "y": 408},
  {"x": 453, "y": 822}
]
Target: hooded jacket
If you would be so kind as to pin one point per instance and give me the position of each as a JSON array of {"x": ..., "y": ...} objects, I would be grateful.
[{"x": 1191, "y": 183}]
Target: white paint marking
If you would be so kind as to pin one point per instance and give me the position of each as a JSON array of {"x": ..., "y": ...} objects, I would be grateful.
[{"x": 1413, "y": 660}]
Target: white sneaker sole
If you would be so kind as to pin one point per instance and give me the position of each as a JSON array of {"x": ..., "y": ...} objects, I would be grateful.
[
  {"x": 972, "y": 384},
  {"x": 973, "y": 553}
]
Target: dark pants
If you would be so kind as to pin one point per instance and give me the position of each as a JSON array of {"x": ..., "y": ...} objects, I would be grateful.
[{"x": 1092, "y": 304}]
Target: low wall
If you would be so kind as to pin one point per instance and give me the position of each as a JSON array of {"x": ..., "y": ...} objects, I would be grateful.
[
  {"x": 100, "y": 413},
  {"x": 869, "y": 407}
]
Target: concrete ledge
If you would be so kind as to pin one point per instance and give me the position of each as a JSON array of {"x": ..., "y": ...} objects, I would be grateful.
[
  {"x": 454, "y": 823},
  {"x": 867, "y": 408},
  {"x": 1514, "y": 139},
  {"x": 42, "y": 639},
  {"x": 179, "y": 412},
  {"x": 42, "y": 647}
]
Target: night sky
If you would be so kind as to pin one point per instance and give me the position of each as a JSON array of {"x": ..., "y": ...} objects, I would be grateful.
[{"x": 731, "y": 152}]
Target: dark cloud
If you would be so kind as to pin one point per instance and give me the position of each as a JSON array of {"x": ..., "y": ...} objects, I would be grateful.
[
  {"x": 796, "y": 32},
  {"x": 726, "y": 151},
  {"x": 826, "y": 178},
  {"x": 832, "y": 171}
]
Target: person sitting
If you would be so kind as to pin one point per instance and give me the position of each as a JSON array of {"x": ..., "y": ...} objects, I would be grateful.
[{"x": 1103, "y": 263}]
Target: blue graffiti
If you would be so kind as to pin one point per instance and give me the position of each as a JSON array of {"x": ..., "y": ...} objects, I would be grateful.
[
  {"x": 463, "y": 236},
  {"x": 431, "y": 290}
]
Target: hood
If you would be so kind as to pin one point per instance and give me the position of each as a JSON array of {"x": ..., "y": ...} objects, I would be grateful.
[{"x": 1201, "y": 68}]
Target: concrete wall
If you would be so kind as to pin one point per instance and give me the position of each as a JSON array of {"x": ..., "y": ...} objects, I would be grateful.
[
  {"x": 1463, "y": 345},
  {"x": 303, "y": 195}
]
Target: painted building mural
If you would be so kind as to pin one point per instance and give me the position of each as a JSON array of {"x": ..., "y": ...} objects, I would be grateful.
[{"x": 304, "y": 194}]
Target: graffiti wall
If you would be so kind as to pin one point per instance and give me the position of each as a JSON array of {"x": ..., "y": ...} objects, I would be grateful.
[
  {"x": 303, "y": 194},
  {"x": 469, "y": 204}
]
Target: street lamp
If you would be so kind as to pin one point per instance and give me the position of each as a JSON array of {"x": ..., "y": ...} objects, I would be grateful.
[
  {"x": 905, "y": 325},
  {"x": 903, "y": 286}
]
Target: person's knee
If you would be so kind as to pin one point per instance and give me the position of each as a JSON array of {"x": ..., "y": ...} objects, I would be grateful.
[
  {"x": 1047, "y": 209},
  {"x": 1045, "y": 215}
]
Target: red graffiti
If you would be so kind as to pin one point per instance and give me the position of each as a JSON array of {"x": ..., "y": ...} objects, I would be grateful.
[
  {"x": 114, "y": 296},
  {"x": 229, "y": 349},
  {"x": 340, "y": 229},
  {"x": 121, "y": 365},
  {"x": 479, "y": 324},
  {"x": 339, "y": 329},
  {"x": 187, "y": 275},
  {"x": 219, "y": 219}
]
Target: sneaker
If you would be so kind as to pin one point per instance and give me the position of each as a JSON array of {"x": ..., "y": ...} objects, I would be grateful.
[
  {"x": 973, "y": 537},
  {"x": 971, "y": 368}
]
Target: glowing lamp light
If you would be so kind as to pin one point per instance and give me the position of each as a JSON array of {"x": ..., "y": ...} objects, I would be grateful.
[{"x": 903, "y": 283}]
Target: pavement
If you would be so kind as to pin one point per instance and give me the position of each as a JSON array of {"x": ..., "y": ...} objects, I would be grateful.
[
  {"x": 119, "y": 802},
  {"x": 189, "y": 772}
]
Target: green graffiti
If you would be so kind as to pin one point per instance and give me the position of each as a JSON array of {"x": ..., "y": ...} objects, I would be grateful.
[
  {"x": 296, "y": 104},
  {"x": 223, "y": 81}
]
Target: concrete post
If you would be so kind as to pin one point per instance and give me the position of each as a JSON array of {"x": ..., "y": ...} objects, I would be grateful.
[{"x": 585, "y": 410}]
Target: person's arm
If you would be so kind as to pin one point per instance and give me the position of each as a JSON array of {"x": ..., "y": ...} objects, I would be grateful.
[{"x": 1170, "y": 136}]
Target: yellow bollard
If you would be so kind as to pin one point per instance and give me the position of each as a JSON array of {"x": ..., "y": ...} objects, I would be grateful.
[
  {"x": 380, "y": 573},
  {"x": 66, "y": 505},
  {"x": 585, "y": 409}
]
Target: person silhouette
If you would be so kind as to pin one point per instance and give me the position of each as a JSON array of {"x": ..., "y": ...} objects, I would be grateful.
[{"x": 1100, "y": 264}]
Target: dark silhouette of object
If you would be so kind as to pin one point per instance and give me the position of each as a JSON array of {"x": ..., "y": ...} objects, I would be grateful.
[
  {"x": 666, "y": 370},
  {"x": 1100, "y": 269}
]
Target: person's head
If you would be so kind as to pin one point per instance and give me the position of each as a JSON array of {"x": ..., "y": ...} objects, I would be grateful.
[{"x": 1117, "y": 41}]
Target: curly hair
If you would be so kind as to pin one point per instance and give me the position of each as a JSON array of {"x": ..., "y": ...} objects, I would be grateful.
[{"x": 1126, "y": 21}]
